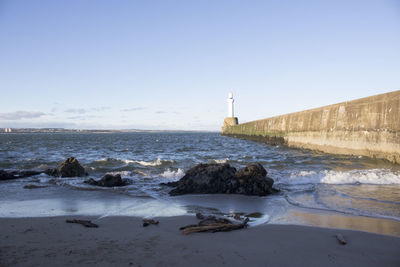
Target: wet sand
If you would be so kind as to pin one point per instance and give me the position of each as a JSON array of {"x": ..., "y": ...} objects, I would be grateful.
[{"x": 122, "y": 241}]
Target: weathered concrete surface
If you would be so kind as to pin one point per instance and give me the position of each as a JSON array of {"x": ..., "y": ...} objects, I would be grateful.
[
  {"x": 230, "y": 121},
  {"x": 368, "y": 126}
]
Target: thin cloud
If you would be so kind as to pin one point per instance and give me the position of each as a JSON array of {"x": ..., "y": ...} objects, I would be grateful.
[
  {"x": 76, "y": 110},
  {"x": 100, "y": 108},
  {"x": 160, "y": 112},
  {"x": 133, "y": 109},
  {"x": 18, "y": 115},
  {"x": 85, "y": 117},
  {"x": 38, "y": 124},
  {"x": 83, "y": 111}
]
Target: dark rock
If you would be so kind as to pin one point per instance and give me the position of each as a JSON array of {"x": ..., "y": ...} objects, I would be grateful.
[
  {"x": 275, "y": 190},
  {"x": 171, "y": 184},
  {"x": 147, "y": 222},
  {"x": 205, "y": 179},
  {"x": 24, "y": 174},
  {"x": 17, "y": 174},
  {"x": 51, "y": 172},
  {"x": 68, "y": 168},
  {"x": 250, "y": 171},
  {"x": 341, "y": 239},
  {"x": 224, "y": 179},
  {"x": 199, "y": 216},
  {"x": 6, "y": 175},
  {"x": 91, "y": 181},
  {"x": 109, "y": 180}
]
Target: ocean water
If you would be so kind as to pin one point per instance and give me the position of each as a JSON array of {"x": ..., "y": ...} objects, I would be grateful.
[{"x": 315, "y": 188}]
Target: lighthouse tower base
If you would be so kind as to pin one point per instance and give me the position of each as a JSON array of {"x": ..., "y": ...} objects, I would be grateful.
[{"x": 230, "y": 121}]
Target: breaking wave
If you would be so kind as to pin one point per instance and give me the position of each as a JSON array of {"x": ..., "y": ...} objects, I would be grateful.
[
  {"x": 372, "y": 176},
  {"x": 152, "y": 163},
  {"x": 157, "y": 162},
  {"x": 170, "y": 174},
  {"x": 220, "y": 161}
]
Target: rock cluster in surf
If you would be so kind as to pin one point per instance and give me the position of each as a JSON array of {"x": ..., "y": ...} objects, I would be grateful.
[
  {"x": 4, "y": 175},
  {"x": 201, "y": 179},
  {"x": 224, "y": 179},
  {"x": 68, "y": 168},
  {"x": 109, "y": 180}
]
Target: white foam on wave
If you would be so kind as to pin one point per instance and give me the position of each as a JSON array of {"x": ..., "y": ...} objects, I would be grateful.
[
  {"x": 373, "y": 176},
  {"x": 127, "y": 161},
  {"x": 303, "y": 173},
  {"x": 170, "y": 174},
  {"x": 220, "y": 161},
  {"x": 153, "y": 163}
]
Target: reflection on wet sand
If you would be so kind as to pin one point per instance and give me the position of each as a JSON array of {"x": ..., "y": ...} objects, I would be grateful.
[{"x": 367, "y": 224}]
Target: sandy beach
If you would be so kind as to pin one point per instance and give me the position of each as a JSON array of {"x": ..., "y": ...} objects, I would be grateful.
[{"x": 123, "y": 241}]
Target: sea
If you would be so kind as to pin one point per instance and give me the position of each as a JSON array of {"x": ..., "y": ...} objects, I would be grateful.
[{"x": 316, "y": 189}]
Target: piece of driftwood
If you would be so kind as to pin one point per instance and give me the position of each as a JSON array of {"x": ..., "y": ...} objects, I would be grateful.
[
  {"x": 341, "y": 239},
  {"x": 254, "y": 215},
  {"x": 83, "y": 222},
  {"x": 213, "y": 220},
  {"x": 147, "y": 222},
  {"x": 212, "y": 224},
  {"x": 188, "y": 226}
]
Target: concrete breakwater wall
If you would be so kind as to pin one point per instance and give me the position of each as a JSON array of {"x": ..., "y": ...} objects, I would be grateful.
[{"x": 368, "y": 126}]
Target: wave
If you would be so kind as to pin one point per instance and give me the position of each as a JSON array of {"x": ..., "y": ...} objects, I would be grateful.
[
  {"x": 220, "y": 161},
  {"x": 152, "y": 163},
  {"x": 170, "y": 174},
  {"x": 106, "y": 161},
  {"x": 373, "y": 176},
  {"x": 303, "y": 173}
]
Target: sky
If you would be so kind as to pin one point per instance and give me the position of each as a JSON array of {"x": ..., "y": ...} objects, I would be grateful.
[{"x": 169, "y": 65}]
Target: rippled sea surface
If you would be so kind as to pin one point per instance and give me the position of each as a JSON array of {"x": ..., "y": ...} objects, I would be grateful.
[{"x": 310, "y": 182}]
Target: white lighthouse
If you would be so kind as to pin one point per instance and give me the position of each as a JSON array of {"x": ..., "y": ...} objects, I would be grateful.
[
  {"x": 230, "y": 105},
  {"x": 231, "y": 120}
]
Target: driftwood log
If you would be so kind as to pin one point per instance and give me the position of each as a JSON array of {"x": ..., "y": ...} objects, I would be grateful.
[
  {"x": 212, "y": 224},
  {"x": 83, "y": 222}
]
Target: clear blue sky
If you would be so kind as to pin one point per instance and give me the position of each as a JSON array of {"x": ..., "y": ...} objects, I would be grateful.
[{"x": 170, "y": 64}]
